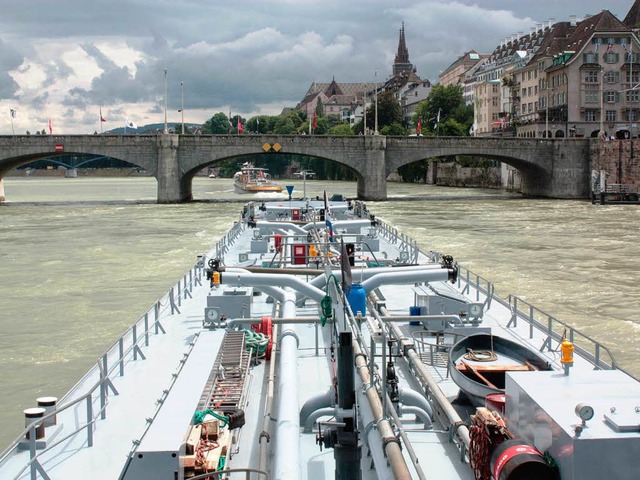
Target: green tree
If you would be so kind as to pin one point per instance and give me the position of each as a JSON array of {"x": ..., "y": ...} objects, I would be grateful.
[
  {"x": 343, "y": 130},
  {"x": 393, "y": 129},
  {"x": 284, "y": 126},
  {"x": 389, "y": 112},
  {"x": 319, "y": 108},
  {"x": 445, "y": 112},
  {"x": 218, "y": 124}
]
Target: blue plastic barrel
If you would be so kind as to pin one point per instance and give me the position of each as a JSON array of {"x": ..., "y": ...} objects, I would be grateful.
[
  {"x": 414, "y": 312},
  {"x": 357, "y": 298}
]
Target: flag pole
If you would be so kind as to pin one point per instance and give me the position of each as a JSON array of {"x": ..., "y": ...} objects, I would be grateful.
[
  {"x": 182, "y": 109},
  {"x": 13, "y": 132},
  {"x": 166, "y": 130}
]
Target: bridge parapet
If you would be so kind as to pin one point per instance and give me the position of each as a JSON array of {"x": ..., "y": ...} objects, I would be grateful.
[{"x": 548, "y": 167}]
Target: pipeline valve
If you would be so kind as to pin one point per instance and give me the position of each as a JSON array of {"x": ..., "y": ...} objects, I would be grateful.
[
  {"x": 327, "y": 437},
  {"x": 447, "y": 261}
]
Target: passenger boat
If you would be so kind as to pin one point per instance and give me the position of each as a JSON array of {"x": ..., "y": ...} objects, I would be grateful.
[
  {"x": 252, "y": 179},
  {"x": 311, "y": 342}
]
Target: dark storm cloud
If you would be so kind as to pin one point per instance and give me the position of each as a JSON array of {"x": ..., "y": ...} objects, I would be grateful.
[{"x": 246, "y": 55}]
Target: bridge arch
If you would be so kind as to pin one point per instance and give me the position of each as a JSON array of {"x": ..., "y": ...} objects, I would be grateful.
[
  {"x": 538, "y": 161},
  {"x": 558, "y": 168}
]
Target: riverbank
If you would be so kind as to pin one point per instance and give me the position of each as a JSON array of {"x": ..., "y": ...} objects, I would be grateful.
[{"x": 82, "y": 172}]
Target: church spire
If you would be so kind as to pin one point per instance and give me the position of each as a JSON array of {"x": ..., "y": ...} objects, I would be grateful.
[{"x": 402, "y": 63}]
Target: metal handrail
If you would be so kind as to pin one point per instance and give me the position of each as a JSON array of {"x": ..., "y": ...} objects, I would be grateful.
[
  {"x": 105, "y": 376},
  {"x": 484, "y": 287}
]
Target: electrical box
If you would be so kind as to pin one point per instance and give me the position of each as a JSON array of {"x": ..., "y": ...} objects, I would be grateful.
[
  {"x": 230, "y": 302},
  {"x": 547, "y": 409}
]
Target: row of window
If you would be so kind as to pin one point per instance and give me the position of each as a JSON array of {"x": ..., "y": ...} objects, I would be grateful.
[{"x": 610, "y": 57}]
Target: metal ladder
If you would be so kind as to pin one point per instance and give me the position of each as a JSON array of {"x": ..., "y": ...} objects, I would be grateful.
[{"x": 225, "y": 386}]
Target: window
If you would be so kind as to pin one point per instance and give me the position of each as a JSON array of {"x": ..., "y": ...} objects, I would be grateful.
[
  {"x": 611, "y": 57},
  {"x": 591, "y": 96},
  {"x": 590, "y": 58},
  {"x": 632, "y": 115},
  {"x": 611, "y": 77},
  {"x": 632, "y": 77},
  {"x": 530, "y": 107},
  {"x": 610, "y": 96},
  {"x": 590, "y": 116},
  {"x": 524, "y": 108},
  {"x": 633, "y": 95},
  {"x": 591, "y": 77},
  {"x": 610, "y": 116}
]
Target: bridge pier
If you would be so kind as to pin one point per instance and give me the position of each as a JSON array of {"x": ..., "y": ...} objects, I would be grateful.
[
  {"x": 372, "y": 183},
  {"x": 173, "y": 186},
  {"x": 567, "y": 172}
]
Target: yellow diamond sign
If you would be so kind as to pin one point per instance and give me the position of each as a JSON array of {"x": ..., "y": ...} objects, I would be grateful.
[
  {"x": 266, "y": 147},
  {"x": 276, "y": 147}
]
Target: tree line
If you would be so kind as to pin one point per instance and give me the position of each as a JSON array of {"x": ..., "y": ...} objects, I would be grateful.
[{"x": 444, "y": 113}]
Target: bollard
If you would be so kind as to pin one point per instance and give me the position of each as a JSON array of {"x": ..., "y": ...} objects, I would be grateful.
[
  {"x": 31, "y": 415},
  {"x": 49, "y": 405}
]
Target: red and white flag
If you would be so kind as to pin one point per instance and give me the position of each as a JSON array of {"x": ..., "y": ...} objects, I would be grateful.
[
  {"x": 419, "y": 127},
  {"x": 50, "y": 127},
  {"x": 240, "y": 127},
  {"x": 102, "y": 119},
  {"x": 314, "y": 125}
]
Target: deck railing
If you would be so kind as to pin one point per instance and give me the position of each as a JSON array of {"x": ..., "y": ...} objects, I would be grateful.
[
  {"x": 109, "y": 366},
  {"x": 555, "y": 330}
]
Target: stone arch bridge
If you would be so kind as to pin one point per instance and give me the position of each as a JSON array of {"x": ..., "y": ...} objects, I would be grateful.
[{"x": 548, "y": 168}]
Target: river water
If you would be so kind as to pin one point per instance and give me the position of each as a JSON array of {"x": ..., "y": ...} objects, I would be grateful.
[{"x": 82, "y": 259}]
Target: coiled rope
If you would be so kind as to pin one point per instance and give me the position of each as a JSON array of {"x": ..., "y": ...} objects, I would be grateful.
[{"x": 256, "y": 342}]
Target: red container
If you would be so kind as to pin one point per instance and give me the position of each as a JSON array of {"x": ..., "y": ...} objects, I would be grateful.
[
  {"x": 299, "y": 254},
  {"x": 495, "y": 401},
  {"x": 295, "y": 214}
]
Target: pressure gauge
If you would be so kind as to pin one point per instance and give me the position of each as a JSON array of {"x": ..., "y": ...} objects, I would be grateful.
[
  {"x": 584, "y": 411},
  {"x": 475, "y": 310},
  {"x": 212, "y": 314}
]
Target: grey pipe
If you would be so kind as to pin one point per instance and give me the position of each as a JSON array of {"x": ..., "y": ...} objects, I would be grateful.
[
  {"x": 371, "y": 435},
  {"x": 418, "y": 412},
  {"x": 437, "y": 275},
  {"x": 287, "y": 464},
  {"x": 385, "y": 431},
  {"x": 410, "y": 397},
  {"x": 265, "y": 436},
  {"x": 338, "y": 224},
  {"x": 322, "y": 412},
  {"x": 247, "y": 279},
  {"x": 439, "y": 397},
  {"x": 315, "y": 403},
  {"x": 271, "y": 226},
  {"x": 423, "y": 374},
  {"x": 366, "y": 273}
]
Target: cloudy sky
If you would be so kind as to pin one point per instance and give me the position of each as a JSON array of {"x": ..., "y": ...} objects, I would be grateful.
[{"x": 65, "y": 59}]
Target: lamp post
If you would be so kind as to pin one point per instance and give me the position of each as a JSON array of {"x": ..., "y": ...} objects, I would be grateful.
[
  {"x": 364, "y": 102},
  {"x": 601, "y": 133},
  {"x": 166, "y": 130},
  {"x": 182, "y": 109},
  {"x": 546, "y": 123},
  {"x": 375, "y": 127}
]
